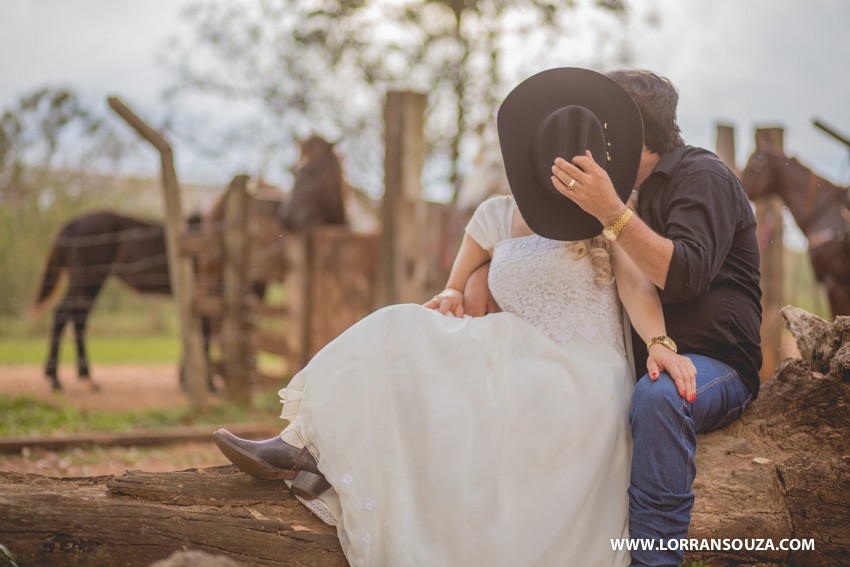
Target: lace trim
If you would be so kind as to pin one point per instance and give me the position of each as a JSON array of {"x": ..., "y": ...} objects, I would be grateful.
[
  {"x": 539, "y": 280},
  {"x": 318, "y": 508}
]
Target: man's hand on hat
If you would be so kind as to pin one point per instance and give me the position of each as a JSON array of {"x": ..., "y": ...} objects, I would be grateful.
[{"x": 588, "y": 185}]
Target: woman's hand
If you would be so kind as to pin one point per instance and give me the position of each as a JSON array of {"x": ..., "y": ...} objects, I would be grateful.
[
  {"x": 680, "y": 368},
  {"x": 447, "y": 301}
]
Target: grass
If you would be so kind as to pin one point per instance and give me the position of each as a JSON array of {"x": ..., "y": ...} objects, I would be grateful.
[
  {"x": 109, "y": 350},
  {"x": 26, "y": 416}
]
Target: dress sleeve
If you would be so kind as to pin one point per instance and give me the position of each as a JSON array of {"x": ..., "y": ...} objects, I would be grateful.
[{"x": 491, "y": 222}]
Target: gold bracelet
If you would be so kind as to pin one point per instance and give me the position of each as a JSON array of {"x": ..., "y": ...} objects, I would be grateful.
[{"x": 663, "y": 340}]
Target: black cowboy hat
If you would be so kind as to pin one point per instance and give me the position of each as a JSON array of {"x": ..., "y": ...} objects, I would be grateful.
[{"x": 561, "y": 113}]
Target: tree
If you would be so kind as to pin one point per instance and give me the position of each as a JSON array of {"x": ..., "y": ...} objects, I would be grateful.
[{"x": 325, "y": 64}]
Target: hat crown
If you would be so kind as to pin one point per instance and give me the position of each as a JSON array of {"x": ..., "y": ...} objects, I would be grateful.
[
  {"x": 566, "y": 132},
  {"x": 561, "y": 113}
]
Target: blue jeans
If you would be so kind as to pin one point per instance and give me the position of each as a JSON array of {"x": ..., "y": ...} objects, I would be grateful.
[{"x": 664, "y": 427}]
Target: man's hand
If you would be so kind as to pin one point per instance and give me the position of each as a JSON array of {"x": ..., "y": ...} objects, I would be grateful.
[
  {"x": 592, "y": 190},
  {"x": 477, "y": 299}
]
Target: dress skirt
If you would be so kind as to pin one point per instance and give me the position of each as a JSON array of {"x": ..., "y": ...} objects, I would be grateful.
[{"x": 468, "y": 442}]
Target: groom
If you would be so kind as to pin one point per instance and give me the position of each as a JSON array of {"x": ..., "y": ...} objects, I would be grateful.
[{"x": 693, "y": 236}]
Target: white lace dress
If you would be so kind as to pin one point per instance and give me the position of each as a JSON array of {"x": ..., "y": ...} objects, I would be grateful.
[{"x": 500, "y": 440}]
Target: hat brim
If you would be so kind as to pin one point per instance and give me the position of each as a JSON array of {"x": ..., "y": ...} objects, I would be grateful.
[{"x": 547, "y": 213}]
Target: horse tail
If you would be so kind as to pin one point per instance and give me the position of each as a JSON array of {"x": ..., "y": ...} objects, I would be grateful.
[{"x": 57, "y": 264}]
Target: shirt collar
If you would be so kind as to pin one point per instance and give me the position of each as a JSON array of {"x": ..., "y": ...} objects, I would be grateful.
[{"x": 670, "y": 161}]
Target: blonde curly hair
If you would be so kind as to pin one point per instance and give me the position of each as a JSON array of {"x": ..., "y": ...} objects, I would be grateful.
[{"x": 599, "y": 250}]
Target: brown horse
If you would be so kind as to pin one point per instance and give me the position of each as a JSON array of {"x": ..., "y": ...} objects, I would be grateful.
[
  {"x": 317, "y": 198},
  {"x": 88, "y": 249},
  {"x": 93, "y": 246},
  {"x": 320, "y": 190},
  {"x": 820, "y": 209}
]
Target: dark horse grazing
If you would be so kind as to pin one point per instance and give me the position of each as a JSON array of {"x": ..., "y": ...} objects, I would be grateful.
[
  {"x": 820, "y": 209},
  {"x": 89, "y": 248},
  {"x": 94, "y": 245}
]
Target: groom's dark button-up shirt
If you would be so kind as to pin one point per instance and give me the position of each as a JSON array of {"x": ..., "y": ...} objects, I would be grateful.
[{"x": 712, "y": 298}]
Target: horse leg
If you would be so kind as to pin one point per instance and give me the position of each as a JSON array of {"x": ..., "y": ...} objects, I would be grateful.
[
  {"x": 60, "y": 318},
  {"x": 80, "y": 318},
  {"x": 80, "y": 314}
]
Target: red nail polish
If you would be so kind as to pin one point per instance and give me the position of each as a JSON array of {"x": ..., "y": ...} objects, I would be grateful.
[
  {"x": 654, "y": 375},
  {"x": 693, "y": 398},
  {"x": 682, "y": 393}
]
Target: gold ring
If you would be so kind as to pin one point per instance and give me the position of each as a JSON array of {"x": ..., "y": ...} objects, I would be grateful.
[{"x": 571, "y": 184}]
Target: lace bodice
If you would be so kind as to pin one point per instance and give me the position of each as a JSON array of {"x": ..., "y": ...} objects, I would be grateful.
[{"x": 541, "y": 281}]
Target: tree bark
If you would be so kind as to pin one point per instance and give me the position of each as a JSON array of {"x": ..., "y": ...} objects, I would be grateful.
[
  {"x": 140, "y": 517},
  {"x": 782, "y": 471}
]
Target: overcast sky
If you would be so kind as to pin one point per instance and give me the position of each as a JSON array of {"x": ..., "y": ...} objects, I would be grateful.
[{"x": 745, "y": 62}]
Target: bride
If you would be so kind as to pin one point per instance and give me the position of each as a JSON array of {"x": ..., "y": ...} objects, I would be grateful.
[{"x": 430, "y": 438}]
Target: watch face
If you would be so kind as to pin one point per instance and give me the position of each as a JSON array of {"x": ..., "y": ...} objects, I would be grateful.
[{"x": 609, "y": 234}]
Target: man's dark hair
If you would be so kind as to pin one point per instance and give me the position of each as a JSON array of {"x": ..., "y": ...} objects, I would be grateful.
[{"x": 656, "y": 98}]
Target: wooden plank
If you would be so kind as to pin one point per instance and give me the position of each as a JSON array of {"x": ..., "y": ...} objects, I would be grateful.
[
  {"x": 265, "y": 380},
  {"x": 236, "y": 354},
  {"x": 272, "y": 311},
  {"x": 192, "y": 243},
  {"x": 209, "y": 305},
  {"x": 342, "y": 274},
  {"x": 436, "y": 256},
  {"x": 400, "y": 248},
  {"x": 270, "y": 342},
  {"x": 299, "y": 297},
  {"x": 181, "y": 268},
  {"x": 725, "y": 146},
  {"x": 769, "y": 220}
]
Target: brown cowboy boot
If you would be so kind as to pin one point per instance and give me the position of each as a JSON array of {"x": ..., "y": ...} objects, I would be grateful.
[{"x": 274, "y": 459}]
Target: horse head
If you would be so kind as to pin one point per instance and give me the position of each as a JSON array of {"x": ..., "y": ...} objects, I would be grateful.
[
  {"x": 759, "y": 176},
  {"x": 318, "y": 196}
]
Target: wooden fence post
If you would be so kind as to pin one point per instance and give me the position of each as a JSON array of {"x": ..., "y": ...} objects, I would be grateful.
[
  {"x": 725, "y": 146},
  {"x": 180, "y": 266},
  {"x": 769, "y": 219},
  {"x": 402, "y": 275},
  {"x": 235, "y": 333},
  {"x": 299, "y": 298},
  {"x": 331, "y": 286}
]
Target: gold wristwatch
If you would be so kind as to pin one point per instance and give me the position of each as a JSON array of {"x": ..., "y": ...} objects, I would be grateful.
[
  {"x": 612, "y": 232},
  {"x": 663, "y": 340}
]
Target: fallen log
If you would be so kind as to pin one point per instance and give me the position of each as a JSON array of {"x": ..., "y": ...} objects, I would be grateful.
[
  {"x": 138, "y": 518},
  {"x": 782, "y": 472}
]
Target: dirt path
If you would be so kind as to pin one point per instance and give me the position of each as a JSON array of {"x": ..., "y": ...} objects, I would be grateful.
[{"x": 123, "y": 387}]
